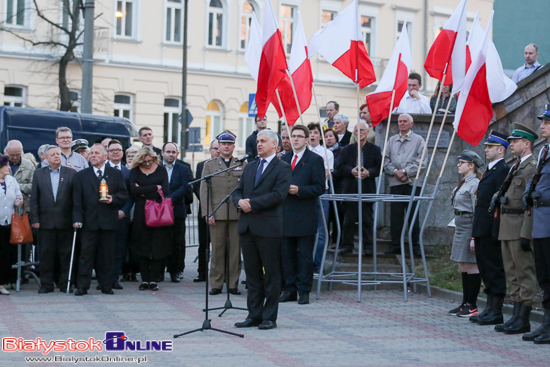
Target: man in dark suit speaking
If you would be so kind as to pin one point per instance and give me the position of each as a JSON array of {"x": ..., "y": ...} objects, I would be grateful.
[
  {"x": 51, "y": 213},
  {"x": 98, "y": 220},
  {"x": 263, "y": 188}
]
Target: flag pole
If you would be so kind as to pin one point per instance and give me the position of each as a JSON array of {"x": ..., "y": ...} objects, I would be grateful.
[
  {"x": 295, "y": 96},
  {"x": 438, "y": 135},
  {"x": 447, "y": 155},
  {"x": 284, "y": 118},
  {"x": 385, "y": 143},
  {"x": 431, "y": 123}
]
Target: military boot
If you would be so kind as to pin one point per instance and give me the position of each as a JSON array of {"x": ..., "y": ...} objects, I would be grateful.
[
  {"x": 485, "y": 312},
  {"x": 495, "y": 314},
  {"x": 522, "y": 324},
  {"x": 541, "y": 330},
  {"x": 500, "y": 327}
]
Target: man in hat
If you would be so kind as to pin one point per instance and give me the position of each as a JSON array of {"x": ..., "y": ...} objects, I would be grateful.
[
  {"x": 485, "y": 235},
  {"x": 537, "y": 197},
  {"x": 223, "y": 224},
  {"x": 80, "y": 146},
  {"x": 515, "y": 231}
]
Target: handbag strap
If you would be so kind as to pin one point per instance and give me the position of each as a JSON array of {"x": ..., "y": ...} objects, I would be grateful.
[{"x": 161, "y": 194}]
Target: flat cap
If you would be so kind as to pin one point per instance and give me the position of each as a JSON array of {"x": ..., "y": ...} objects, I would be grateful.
[{"x": 471, "y": 156}]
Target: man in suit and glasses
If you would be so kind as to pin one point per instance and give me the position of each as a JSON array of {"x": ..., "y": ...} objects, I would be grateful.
[
  {"x": 51, "y": 214},
  {"x": 263, "y": 187}
]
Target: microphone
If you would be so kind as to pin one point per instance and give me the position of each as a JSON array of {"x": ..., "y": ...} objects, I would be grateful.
[{"x": 243, "y": 158}]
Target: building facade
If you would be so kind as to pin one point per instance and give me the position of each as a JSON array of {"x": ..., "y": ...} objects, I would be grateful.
[{"x": 138, "y": 47}]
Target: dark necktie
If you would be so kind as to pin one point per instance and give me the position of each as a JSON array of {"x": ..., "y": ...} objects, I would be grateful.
[
  {"x": 259, "y": 171},
  {"x": 457, "y": 188},
  {"x": 99, "y": 174},
  {"x": 294, "y": 161}
]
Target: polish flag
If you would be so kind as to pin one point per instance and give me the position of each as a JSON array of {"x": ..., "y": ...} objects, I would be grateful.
[
  {"x": 269, "y": 64},
  {"x": 395, "y": 78},
  {"x": 300, "y": 69},
  {"x": 340, "y": 42},
  {"x": 450, "y": 47},
  {"x": 474, "y": 109},
  {"x": 500, "y": 86}
]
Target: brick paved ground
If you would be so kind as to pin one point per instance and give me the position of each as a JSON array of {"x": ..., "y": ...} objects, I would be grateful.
[{"x": 334, "y": 331}]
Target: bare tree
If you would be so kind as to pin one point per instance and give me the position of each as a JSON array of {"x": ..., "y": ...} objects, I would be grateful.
[{"x": 65, "y": 38}]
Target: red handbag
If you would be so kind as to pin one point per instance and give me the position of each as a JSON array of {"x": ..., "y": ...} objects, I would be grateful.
[
  {"x": 21, "y": 231},
  {"x": 159, "y": 214}
]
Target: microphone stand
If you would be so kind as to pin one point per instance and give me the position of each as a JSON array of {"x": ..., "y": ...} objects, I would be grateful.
[
  {"x": 228, "y": 305},
  {"x": 206, "y": 324}
]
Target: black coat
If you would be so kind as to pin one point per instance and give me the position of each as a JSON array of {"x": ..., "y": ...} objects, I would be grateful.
[
  {"x": 44, "y": 210},
  {"x": 127, "y": 207},
  {"x": 345, "y": 139},
  {"x": 88, "y": 209},
  {"x": 266, "y": 198},
  {"x": 347, "y": 160},
  {"x": 484, "y": 223},
  {"x": 180, "y": 192},
  {"x": 309, "y": 176},
  {"x": 252, "y": 146}
]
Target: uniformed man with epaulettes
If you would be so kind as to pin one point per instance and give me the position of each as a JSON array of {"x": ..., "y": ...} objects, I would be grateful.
[
  {"x": 223, "y": 224},
  {"x": 515, "y": 231}
]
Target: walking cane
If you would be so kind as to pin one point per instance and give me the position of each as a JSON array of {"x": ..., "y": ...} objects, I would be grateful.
[{"x": 71, "y": 263}]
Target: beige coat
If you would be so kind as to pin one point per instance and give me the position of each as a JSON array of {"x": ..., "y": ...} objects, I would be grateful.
[
  {"x": 23, "y": 176},
  {"x": 222, "y": 185},
  {"x": 514, "y": 226}
]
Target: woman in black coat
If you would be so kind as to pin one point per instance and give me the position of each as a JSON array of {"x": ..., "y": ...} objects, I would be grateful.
[{"x": 151, "y": 245}]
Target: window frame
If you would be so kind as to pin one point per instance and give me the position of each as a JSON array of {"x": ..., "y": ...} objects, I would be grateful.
[
  {"x": 75, "y": 103},
  {"x": 224, "y": 26},
  {"x": 211, "y": 115},
  {"x": 170, "y": 111},
  {"x": 27, "y": 21},
  {"x": 284, "y": 21},
  {"x": 135, "y": 26},
  {"x": 174, "y": 6},
  {"x": 13, "y": 100},
  {"x": 255, "y": 9},
  {"x": 121, "y": 106}
]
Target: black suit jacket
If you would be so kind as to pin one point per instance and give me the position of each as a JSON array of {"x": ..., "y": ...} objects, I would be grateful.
[
  {"x": 345, "y": 139},
  {"x": 127, "y": 207},
  {"x": 180, "y": 192},
  {"x": 347, "y": 160},
  {"x": 44, "y": 210},
  {"x": 87, "y": 208},
  {"x": 266, "y": 198},
  {"x": 484, "y": 222},
  {"x": 309, "y": 176}
]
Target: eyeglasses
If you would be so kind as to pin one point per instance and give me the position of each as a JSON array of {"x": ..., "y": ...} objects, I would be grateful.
[
  {"x": 297, "y": 136},
  {"x": 148, "y": 162},
  {"x": 115, "y": 150},
  {"x": 65, "y": 137},
  {"x": 459, "y": 163}
]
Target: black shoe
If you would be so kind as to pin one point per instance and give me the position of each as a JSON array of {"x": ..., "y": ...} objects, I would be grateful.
[
  {"x": 153, "y": 287},
  {"x": 494, "y": 316},
  {"x": 234, "y": 291},
  {"x": 304, "y": 298},
  {"x": 521, "y": 324},
  {"x": 345, "y": 250},
  {"x": 116, "y": 285},
  {"x": 174, "y": 278},
  {"x": 44, "y": 290},
  {"x": 215, "y": 291},
  {"x": 107, "y": 291},
  {"x": 394, "y": 250},
  {"x": 288, "y": 297},
  {"x": 455, "y": 310},
  {"x": 247, "y": 323},
  {"x": 81, "y": 292},
  {"x": 267, "y": 324},
  {"x": 468, "y": 310},
  {"x": 541, "y": 330},
  {"x": 199, "y": 278},
  {"x": 143, "y": 286},
  {"x": 515, "y": 314},
  {"x": 543, "y": 338}
]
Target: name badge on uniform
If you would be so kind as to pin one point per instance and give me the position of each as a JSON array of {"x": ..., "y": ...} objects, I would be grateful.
[{"x": 238, "y": 169}]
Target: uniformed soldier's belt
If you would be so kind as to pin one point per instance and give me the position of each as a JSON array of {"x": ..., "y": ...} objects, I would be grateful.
[
  {"x": 537, "y": 203},
  {"x": 460, "y": 212},
  {"x": 511, "y": 211}
]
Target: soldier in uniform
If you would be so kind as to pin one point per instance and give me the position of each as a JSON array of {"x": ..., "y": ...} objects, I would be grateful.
[
  {"x": 515, "y": 231},
  {"x": 537, "y": 198},
  {"x": 223, "y": 224},
  {"x": 485, "y": 232}
]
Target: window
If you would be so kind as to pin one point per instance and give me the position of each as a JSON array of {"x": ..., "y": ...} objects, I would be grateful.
[
  {"x": 400, "y": 24},
  {"x": 246, "y": 21},
  {"x": 172, "y": 125},
  {"x": 287, "y": 23},
  {"x": 14, "y": 96},
  {"x": 68, "y": 10},
  {"x": 327, "y": 16},
  {"x": 214, "y": 121},
  {"x": 174, "y": 21},
  {"x": 367, "y": 28},
  {"x": 74, "y": 96},
  {"x": 246, "y": 126},
  {"x": 215, "y": 23},
  {"x": 15, "y": 12},
  {"x": 123, "y": 106},
  {"x": 126, "y": 11}
]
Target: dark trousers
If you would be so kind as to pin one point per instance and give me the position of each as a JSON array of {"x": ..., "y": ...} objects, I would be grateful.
[
  {"x": 100, "y": 243},
  {"x": 542, "y": 267},
  {"x": 349, "y": 229},
  {"x": 5, "y": 248},
  {"x": 263, "y": 275},
  {"x": 176, "y": 261},
  {"x": 121, "y": 247},
  {"x": 130, "y": 264},
  {"x": 489, "y": 263},
  {"x": 150, "y": 269},
  {"x": 55, "y": 245},
  {"x": 297, "y": 258},
  {"x": 203, "y": 245},
  {"x": 397, "y": 215}
]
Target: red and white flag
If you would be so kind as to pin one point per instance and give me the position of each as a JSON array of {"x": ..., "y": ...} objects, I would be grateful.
[
  {"x": 253, "y": 53},
  {"x": 300, "y": 69},
  {"x": 474, "y": 109},
  {"x": 450, "y": 47},
  {"x": 272, "y": 66},
  {"x": 500, "y": 86},
  {"x": 340, "y": 42},
  {"x": 395, "y": 78}
]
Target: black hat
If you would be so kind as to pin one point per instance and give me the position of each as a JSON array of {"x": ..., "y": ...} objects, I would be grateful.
[
  {"x": 496, "y": 138},
  {"x": 471, "y": 156},
  {"x": 522, "y": 132},
  {"x": 546, "y": 114}
]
